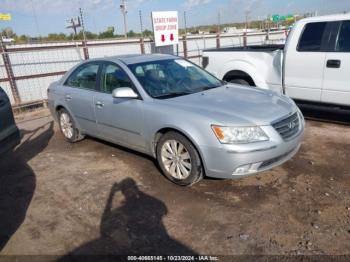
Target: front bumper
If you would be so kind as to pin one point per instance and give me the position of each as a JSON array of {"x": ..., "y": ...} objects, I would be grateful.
[{"x": 236, "y": 161}]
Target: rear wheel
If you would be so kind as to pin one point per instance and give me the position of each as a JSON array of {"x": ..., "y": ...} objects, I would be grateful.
[
  {"x": 68, "y": 127},
  {"x": 179, "y": 159}
]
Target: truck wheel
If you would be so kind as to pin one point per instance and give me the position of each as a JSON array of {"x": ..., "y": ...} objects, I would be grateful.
[
  {"x": 67, "y": 127},
  {"x": 179, "y": 159},
  {"x": 240, "y": 82}
]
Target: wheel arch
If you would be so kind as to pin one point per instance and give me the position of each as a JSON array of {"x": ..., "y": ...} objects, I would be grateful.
[
  {"x": 238, "y": 74},
  {"x": 164, "y": 130},
  {"x": 58, "y": 107},
  {"x": 244, "y": 68}
]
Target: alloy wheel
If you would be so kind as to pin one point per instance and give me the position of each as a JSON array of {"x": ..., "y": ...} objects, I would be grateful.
[
  {"x": 176, "y": 159},
  {"x": 66, "y": 125}
]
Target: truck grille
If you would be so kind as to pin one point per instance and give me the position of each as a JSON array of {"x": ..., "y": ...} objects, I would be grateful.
[{"x": 288, "y": 127}]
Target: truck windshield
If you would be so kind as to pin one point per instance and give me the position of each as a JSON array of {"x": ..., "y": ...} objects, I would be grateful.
[{"x": 174, "y": 77}]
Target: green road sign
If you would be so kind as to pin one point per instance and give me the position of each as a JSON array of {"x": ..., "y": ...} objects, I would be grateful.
[{"x": 281, "y": 18}]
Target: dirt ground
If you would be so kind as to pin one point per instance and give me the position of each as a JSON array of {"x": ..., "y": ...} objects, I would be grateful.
[{"x": 93, "y": 197}]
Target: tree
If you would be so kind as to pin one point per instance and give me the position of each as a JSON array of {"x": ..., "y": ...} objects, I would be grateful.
[
  {"x": 106, "y": 34},
  {"x": 22, "y": 39},
  {"x": 131, "y": 33},
  {"x": 8, "y": 32},
  {"x": 147, "y": 33},
  {"x": 56, "y": 37},
  {"x": 90, "y": 35}
]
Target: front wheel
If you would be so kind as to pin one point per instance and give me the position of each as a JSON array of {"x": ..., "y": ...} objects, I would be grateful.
[{"x": 179, "y": 159}]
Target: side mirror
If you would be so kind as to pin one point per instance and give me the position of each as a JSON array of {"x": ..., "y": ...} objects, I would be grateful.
[{"x": 124, "y": 92}]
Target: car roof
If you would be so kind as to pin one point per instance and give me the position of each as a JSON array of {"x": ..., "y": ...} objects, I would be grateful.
[
  {"x": 138, "y": 58},
  {"x": 327, "y": 18}
]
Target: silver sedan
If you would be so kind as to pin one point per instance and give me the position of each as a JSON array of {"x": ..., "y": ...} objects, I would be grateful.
[{"x": 171, "y": 109}]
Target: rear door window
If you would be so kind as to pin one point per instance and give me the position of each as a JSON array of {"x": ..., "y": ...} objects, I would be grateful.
[
  {"x": 84, "y": 76},
  {"x": 343, "y": 41},
  {"x": 311, "y": 39}
]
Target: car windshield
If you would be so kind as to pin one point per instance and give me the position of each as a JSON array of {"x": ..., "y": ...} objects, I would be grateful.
[{"x": 174, "y": 77}]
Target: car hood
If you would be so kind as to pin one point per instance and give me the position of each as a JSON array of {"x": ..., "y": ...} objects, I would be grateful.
[{"x": 235, "y": 105}]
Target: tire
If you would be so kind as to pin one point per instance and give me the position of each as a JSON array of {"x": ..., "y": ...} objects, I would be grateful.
[
  {"x": 240, "y": 82},
  {"x": 68, "y": 127},
  {"x": 185, "y": 158}
]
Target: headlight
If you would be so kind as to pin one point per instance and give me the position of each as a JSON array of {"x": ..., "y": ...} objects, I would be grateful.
[{"x": 239, "y": 135}]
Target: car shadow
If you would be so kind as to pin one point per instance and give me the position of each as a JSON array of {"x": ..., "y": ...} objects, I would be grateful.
[
  {"x": 17, "y": 179},
  {"x": 133, "y": 227}
]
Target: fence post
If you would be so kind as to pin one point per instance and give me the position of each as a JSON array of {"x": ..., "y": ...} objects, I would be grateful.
[
  {"x": 142, "y": 45},
  {"x": 9, "y": 72},
  {"x": 267, "y": 38},
  {"x": 218, "y": 40},
  {"x": 184, "y": 42},
  {"x": 85, "y": 50},
  {"x": 245, "y": 39}
]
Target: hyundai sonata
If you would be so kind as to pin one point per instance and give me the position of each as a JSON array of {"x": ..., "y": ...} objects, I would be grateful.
[{"x": 173, "y": 110}]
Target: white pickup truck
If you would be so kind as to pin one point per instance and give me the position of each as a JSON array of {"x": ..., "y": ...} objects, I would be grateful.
[{"x": 313, "y": 65}]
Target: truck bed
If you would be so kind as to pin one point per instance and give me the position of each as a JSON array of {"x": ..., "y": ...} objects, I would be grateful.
[{"x": 250, "y": 48}]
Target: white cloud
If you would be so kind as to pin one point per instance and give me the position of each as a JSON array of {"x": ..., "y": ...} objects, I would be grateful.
[
  {"x": 247, "y": 5},
  {"x": 189, "y": 4}
]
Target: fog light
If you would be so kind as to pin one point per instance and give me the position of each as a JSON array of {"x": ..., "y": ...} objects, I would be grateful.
[{"x": 242, "y": 169}]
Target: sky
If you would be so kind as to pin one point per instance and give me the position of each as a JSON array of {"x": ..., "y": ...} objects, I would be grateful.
[{"x": 40, "y": 17}]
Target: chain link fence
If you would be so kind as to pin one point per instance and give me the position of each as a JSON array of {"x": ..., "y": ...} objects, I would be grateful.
[{"x": 27, "y": 70}]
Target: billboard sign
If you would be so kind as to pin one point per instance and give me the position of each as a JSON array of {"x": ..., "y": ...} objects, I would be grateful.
[
  {"x": 165, "y": 28},
  {"x": 5, "y": 17}
]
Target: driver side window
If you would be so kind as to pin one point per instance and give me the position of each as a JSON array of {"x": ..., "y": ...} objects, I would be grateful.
[{"x": 114, "y": 77}]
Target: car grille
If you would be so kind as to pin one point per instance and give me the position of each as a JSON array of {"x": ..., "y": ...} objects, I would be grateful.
[
  {"x": 288, "y": 127},
  {"x": 273, "y": 160}
]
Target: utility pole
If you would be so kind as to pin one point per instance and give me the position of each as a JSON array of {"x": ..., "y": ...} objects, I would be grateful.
[
  {"x": 219, "y": 22},
  {"x": 82, "y": 23},
  {"x": 218, "y": 31},
  {"x": 185, "y": 21},
  {"x": 85, "y": 48},
  {"x": 246, "y": 20},
  {"x": 141, "y": 24},
  {"x": 36, "y": 19},
  {"x": 124, "y": 12}
]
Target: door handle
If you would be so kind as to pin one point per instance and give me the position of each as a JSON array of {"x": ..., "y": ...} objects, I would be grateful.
[
  {"x": 333, "y": 63},
  {"x": 99, "y": 104},
  {"x": 68, "y": 97}
]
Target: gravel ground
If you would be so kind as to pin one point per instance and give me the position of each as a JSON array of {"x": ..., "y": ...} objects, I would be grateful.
[{"x": 93, "y": 197}]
